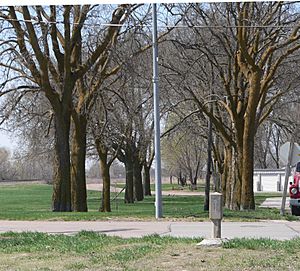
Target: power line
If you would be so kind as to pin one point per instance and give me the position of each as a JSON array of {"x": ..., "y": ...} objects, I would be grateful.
[
  {"x": 59, "y": 22},
  {"x": 161, "y": 26}
]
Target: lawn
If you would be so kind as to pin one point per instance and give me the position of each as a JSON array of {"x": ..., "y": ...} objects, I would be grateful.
[
  {"x": 168, "y": 186},
  {"x": 91, "y": 251},
  {"x": 33, "y": 202}
]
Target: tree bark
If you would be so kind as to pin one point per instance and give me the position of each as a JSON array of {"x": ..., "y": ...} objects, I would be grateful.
[
  {"x": 138, "y": 180},
  {"x": 129, "y": 195},
  {"x": 247, "y": 198},
  {"x": 105, "y": 203},
  {"x": 195, "y": 178},
  {"x": 191, "y": 178},
  {"x": 61, "y": 197},
  {"x": 147, "y": 180},
  {"x": 227, "y": 177},
  {"x": 104, "y": 166},
  {"x": 247, "y": 195},
  {"x": 236, "y": 170},
  {"x": 78, "y": 176},
  {"x": 102, "y": 151}
]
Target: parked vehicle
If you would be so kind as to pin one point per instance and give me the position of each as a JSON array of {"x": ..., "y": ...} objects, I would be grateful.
[{"x": 295, "y": 192}]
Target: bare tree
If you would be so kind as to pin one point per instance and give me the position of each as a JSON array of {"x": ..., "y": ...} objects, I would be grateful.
[
  {"x": 246, "y": 56},
  {"x": 183, "y": 147},
  {"x": 48, "y": 43},
  {"x": 5, "y": 166}
]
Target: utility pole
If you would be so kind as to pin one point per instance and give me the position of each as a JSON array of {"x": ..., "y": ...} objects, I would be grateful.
[
  {"x": 158, "y": 194},
  {"x": 209, "y": 150},
  {"x": 208, "y": 166}
]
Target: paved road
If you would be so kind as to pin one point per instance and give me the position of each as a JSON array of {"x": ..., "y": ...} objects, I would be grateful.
[{"x": 281, "y": 230}]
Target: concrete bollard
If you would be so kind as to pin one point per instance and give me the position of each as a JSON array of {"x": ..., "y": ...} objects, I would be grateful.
[{"x": 216, "y": 213}]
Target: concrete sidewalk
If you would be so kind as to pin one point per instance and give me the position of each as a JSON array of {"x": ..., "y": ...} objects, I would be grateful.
[
  {"x": 281, "y": 230},
  {"x": 276, "y": 203}
]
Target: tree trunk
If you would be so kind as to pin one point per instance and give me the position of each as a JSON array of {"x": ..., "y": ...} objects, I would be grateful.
[
  {"x": 147, "y": 187},
  {"x": 129, "y": 196},
  {"x": 78, "y": 178},
  {"x": 181, "y": 179},
  {"x": 227, "y": 177},
  {"x": 105, "y": 204},
  {"x": 138, "y": 181},
  {"x": 102, "y": 151},
  {"x": 247, "y": 199},
  {"x": 191, "y": 178},
  {"x": 247, "y": 194},
  {"x": 236, "y": 171},
  {"x": 61, "y": 197},
  {"x": 196, "y": 175}
]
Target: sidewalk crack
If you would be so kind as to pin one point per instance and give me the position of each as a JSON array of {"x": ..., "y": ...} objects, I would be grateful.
[
  {"x": 291, "y": 228},
  {"x": 169, "y": 230}
]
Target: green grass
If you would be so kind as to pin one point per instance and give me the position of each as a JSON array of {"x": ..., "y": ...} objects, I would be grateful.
[
  {"x": 93, "y": 251},
  {"x": 259, "y": 213},
  {"x": 263, "y": 244},
  {"x": 86, "y": 249},
  {"x": 33, "y": 202},
  {"x": 168, "y": 186},
  {"x": 82, "y": 242},
  {"x": 86, "y": 241},
  {"x": 175, "y": 186}
]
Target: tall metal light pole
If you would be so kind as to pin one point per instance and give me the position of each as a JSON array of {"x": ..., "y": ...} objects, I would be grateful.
[
  {"x": 158, "y": 195},
  {"x": 208, "y": 165},
  {"x": 209, "y": 150}
]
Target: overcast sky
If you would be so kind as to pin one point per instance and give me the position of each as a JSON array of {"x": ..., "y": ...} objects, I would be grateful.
[{"x": 5, "y": 140}]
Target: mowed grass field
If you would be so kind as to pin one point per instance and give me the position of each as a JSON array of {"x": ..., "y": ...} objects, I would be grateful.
[
  {"x": 91, "y": 251},
  {"x": 33, "y": 202}
]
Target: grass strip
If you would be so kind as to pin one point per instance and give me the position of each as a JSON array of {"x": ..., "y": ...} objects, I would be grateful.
[
  {"x": 33, "y": 202},
  {"x": 92, "y": 251}
]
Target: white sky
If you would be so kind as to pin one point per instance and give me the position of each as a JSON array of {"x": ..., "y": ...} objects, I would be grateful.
[{"x": 6, "y": 140}]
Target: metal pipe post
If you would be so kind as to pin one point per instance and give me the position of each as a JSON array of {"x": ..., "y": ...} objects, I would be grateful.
[
  {"x": 158, "y": 194},
  {"x": 216, "y": 229},
  {"x": 287, "y": 175}
]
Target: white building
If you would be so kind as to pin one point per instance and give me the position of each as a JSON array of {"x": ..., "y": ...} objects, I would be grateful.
[{"x": 269, "y": 180}]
